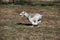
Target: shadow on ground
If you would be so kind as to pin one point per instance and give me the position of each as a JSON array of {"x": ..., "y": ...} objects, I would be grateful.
[{"x": 24, "y": 24}]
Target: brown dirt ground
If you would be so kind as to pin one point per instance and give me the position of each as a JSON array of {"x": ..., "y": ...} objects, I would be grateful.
[{"x": 14, "y": 27}]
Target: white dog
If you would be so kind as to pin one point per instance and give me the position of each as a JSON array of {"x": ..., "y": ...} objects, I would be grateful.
[{"x": 35, "y": 19}]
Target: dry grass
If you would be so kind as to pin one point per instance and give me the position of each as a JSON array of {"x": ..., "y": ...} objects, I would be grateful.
[{"x": 48, "y": 29}]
